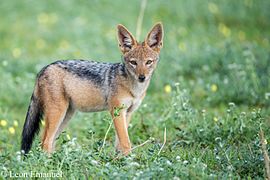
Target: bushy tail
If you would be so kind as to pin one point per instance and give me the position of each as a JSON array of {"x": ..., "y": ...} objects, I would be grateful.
[{"x": 31, "y": 124}]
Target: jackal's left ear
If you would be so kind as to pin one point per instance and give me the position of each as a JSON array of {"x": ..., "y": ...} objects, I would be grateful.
[
  {"x": 125, "y": 39},
  {"x": 154, "y": 38}
]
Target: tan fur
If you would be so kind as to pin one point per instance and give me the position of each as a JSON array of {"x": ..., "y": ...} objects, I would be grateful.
[
  {"x": 61, "y": 92},
  {"x": 85, "y": 96}
]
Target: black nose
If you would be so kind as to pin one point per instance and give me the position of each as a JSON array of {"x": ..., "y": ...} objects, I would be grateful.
[{"x": 141, "y": 78}]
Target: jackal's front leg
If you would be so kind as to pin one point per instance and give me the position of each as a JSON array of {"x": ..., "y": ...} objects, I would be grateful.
[
  {"x": 128, "y": 118},
  {"x": 121, "y": 131}
]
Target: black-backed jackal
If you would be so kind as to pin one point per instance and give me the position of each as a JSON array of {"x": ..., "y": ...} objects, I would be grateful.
[{"x": 66, "y": 86}]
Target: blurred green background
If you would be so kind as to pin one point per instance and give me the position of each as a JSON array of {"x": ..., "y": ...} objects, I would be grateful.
[{"x": 217, "y": 50}]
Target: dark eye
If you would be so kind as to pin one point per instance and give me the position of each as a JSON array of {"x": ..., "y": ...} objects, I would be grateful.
[
  {"x": 149, "y": 62},
  {"x": 133, "y": 63}
]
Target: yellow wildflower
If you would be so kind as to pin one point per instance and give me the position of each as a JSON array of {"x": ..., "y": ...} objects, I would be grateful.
[
  {"x": 241, "y": 35},
  {"x": 40, "y": 43},
  {"x": 11, "y": 130},
  {"x": 15, "y": 123},
  {"x": 224, "y": 30},
  {"x": 213, "y": 8},
  {"x": 214, "y": 88},
  {"x": 64, "y": 44},
  {"x": 3, "y": 123},
  {"x": 47, "y": 19},
  {"x": 168, "y": 89},
  {"x": 16, "y": 52},
  {"x": 215, "y": 119},
  {"x": 77, "y": 53},
  {"x": 68, "y": 137},
  {"x": 43, "y": 18},
  {"x": 182, "y": 46}
]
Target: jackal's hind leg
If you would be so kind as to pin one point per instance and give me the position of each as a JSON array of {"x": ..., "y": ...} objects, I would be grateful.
[
  {"x": 54, "y": 116},
  {"x": 70, "y": 112}
]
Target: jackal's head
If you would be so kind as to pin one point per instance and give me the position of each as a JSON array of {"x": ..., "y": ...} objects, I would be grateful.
[{"x": 140, "y": 59}]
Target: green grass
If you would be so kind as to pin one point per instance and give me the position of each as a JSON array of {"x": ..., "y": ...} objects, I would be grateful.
[{"x": 216, "y": 59}]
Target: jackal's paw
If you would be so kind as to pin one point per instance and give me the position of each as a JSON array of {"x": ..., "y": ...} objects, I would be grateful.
[{"x": 125, "y": 150}]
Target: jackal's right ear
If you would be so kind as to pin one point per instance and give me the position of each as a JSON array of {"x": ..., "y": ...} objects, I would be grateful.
[{"x": 125, "y": 39}]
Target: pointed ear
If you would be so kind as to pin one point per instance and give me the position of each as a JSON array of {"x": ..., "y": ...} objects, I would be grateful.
[
  {"x": 125, "y": 39},
  {"x": 154, "y": 38}
]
